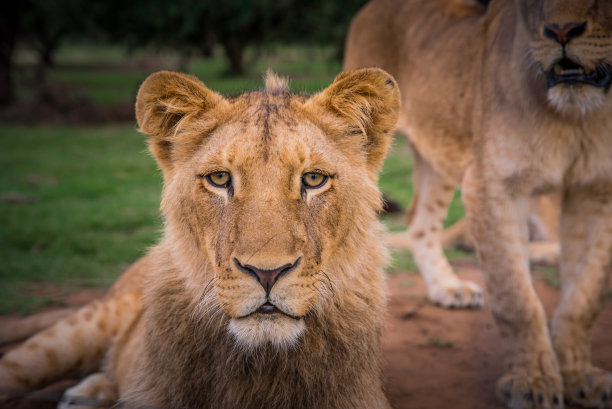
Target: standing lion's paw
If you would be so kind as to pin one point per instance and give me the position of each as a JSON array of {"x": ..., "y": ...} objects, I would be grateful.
[
  {"x": 518, "y": 391},
  {"x": 590, "y": 389},
  {"x": 458, "y": 294}
]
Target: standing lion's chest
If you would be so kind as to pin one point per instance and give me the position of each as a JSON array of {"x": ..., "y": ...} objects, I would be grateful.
[
  {"x": 539, "y": 155},
  {"x": 592, "y": 164}
]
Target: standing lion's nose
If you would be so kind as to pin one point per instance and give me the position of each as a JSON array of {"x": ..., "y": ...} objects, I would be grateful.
[
  {"x": 565, "y": 34},
  {"x": 267, "y": 277}
]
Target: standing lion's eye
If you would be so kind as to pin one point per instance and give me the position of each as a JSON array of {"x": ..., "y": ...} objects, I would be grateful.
[
  {"x": 219, "y": 179},
  {"x": 313, "y": 180}
]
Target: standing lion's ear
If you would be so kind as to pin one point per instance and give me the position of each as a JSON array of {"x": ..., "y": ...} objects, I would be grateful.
[
  {"x": 366, "y": 104},
  {"x": 175, "y": 110}
]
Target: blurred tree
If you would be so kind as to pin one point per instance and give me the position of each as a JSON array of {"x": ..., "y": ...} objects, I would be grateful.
[
  {"x": 46, "y": 23},
  {"x": 188, "y": 26},
  {"x": 323, "y": 21},
  {"x": 197, "y": 25},
  {"x": 181, "y": 25}
]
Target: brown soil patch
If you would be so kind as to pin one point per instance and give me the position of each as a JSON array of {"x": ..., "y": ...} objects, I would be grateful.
[
  {"x": 437, "y": 358},
  {"x": 434, "y": 358}
]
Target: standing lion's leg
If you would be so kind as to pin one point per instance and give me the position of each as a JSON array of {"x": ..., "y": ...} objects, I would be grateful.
[
  {"x": 586, "y": 237},
  {"x": 498, "y": 225},
  {"x": 428, "y": 210}
]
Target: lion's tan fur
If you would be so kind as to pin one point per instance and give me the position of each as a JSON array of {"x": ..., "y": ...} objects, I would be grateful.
[
  {"x": 480, "y": 114},
  {"x": 181, "y": 327}
]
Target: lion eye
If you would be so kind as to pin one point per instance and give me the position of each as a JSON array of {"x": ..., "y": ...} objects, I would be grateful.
[
  {"x": 219, "y": 179},
  {"x": 313, "y": 180}
]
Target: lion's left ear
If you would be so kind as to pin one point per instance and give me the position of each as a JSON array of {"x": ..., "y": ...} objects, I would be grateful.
[
  {"x": 175, "y": 110},
  {"x": 365, "y": 103}
]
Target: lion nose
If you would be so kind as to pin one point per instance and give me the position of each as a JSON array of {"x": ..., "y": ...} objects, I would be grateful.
[
  {"x": 565, "y": 34},
  {"x": 267, "y": 277}
]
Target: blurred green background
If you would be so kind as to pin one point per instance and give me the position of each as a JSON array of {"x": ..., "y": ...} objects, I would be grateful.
[{"x": 79, "y": 192}]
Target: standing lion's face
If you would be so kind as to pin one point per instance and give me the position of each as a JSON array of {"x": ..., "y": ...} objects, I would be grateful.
[
  {"x": 263, "y": 190},
  {"x": 571, "y": 43}
]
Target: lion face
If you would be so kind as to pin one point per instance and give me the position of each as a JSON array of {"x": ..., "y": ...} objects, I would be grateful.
[
  {"x": 571, "y": 43},
  {"x": 262, "y": 191},
  {"x": 276, "y": 204}
]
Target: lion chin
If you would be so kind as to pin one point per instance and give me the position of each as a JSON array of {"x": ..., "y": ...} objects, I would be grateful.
[
  {"x": 260, "y": 330},
  {"x": 576, "y": 100}
]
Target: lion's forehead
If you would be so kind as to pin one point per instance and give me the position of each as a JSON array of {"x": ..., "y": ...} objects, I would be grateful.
[{"x": 271, "y": 136}]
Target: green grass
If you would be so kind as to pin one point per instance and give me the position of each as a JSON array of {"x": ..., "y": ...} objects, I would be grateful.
[
  {"x": 101, "y": 86},
  {"x": 438, "y": 343},
  {"x": 548, "y": 274},
  {"x": 95, "y": 194}
]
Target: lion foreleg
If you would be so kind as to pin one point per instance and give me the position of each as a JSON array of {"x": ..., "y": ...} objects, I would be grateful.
[
  {"x": 432, "y": 197},
  {"x": 95, "y": 391},
  {"x": 586, "y": 237},
  {"x": 498, "y": 225}
]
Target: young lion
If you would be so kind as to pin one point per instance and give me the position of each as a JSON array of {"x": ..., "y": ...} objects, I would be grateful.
[
  {"x": 509, "y": 102},
  {"x": 267, "y": 289}
]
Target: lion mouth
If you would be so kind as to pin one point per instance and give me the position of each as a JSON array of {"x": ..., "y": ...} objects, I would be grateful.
[
  {"x": 269, "y": 309},
  {"x": 568, "y": 72}
]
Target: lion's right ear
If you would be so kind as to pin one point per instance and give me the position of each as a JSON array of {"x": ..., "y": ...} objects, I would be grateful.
[
  {"x": 366, "y": 104},
  {"x": 175, "y": 110}
]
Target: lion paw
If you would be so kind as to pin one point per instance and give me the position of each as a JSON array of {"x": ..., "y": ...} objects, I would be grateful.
[
  {"x": 589, "y": 389},
  {"x": 525, "y": 392},
  {"x": 460, "y": 294},
  {"x": 95, "y": 391}
]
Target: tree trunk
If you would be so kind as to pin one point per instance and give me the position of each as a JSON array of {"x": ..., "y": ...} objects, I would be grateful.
[
  {"x": 46, "y": 58},
  {"x": 10, "y": 14},
  {"x": 48, "y": 37},
  {"x": 234, "y": 52},
  {"x": 7, "y": 88}
]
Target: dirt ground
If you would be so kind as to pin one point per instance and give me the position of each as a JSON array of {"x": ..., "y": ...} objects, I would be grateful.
[
  {"x": 435, "y": 358},
  {"x": 451, "y": 359}
]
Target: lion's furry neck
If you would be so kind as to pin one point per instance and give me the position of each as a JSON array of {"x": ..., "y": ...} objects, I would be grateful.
[{"x": 332, "y": 366}]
